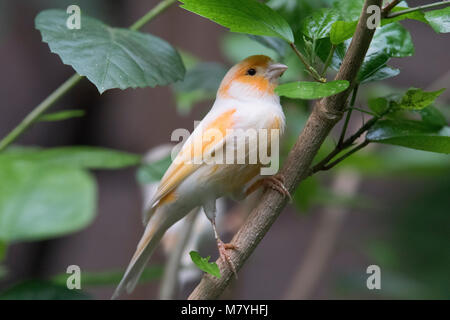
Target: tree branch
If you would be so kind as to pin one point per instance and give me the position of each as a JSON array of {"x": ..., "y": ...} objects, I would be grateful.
[{"x": 326, "y": 113}]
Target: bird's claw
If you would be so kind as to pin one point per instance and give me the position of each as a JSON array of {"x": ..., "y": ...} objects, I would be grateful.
[
  {"x": 276, "y": 182},
  {"x": 223, "y": 247}
]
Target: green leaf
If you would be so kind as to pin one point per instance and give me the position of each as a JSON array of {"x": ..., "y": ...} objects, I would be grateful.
[
  {"x": 389, "y": 41},
  {"x": 377, "y": 74},
  {"x": 311, "y": 90},
  {"x": 204, "y": 264},
  {"x": 42, "y": 290},
  {"x": 439, "y": 20},
  {"x": 432, "y": 116},
  {"x": 392, "y": 39},
  {"x": 61, "y": 115},
  {"x": 152, "y": 172},
  {"x": 342, "y": 30},
  {"x": 318, "y": 25},
  {"x": 411, "y": 134},
  {"x": 350, "y": 10},
  {"x": 110, "y": 57},
  {"x": 108, "y": 278},
  {"x": 416, "y": 99},
  {"x": 75, "y": 156},
  {"x": 245, "y": 16},
  {"x": 43, "y": 201}
]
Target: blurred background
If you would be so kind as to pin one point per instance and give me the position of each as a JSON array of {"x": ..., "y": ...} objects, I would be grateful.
[{"x": 387, "y": 206}]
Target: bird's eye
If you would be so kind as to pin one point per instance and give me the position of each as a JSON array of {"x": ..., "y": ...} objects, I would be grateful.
[{"x": 251, "y": 72}]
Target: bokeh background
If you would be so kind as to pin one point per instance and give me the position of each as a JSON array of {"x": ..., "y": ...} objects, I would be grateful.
[{"x": 395, "y": 216}]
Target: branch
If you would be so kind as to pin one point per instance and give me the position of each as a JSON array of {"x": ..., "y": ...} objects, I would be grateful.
[
  {"x": 71, "y": 82},
  {"x": 328, "y": 60},
  {"x": 326, "y": 113},
  {"x": 426, "y": 6},
  {"x": 349, "y": 114}
]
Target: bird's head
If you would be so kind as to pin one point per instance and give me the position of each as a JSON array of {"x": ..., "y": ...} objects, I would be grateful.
[{"x": 254, "y": 77}]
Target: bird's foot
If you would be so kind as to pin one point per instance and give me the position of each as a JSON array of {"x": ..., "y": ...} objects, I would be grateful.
[
  {"x": 276, "y": 182},
  {"x": 224, "y": 255}
]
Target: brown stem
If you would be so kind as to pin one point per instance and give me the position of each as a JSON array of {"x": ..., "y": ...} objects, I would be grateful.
[
  {"x": 389, "y": 7},
  {"x": 326, "y": 113}
]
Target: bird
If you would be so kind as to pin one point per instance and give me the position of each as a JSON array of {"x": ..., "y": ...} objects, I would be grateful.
[{"x": 245, "y": 100}]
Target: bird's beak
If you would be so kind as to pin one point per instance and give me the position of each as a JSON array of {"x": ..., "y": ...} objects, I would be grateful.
[{"x": 275, "y": 70}]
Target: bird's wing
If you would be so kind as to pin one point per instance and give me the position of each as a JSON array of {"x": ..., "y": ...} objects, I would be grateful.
[{"x": 207, "y": 138}]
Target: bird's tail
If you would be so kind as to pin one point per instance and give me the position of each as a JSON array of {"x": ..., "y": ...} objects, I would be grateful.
[{"x": 154, "y": 231}]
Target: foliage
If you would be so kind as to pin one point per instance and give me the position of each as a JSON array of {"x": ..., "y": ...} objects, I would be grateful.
[
  {"x": 411, "y": 134},
  {"x": 110, "y": 57},
  {"x": 204, "y": 264},
  {"x": 46, "y": 193},
  {"x": 248, "y": 16},
  {"x": 41, "y": 201},
  {"x": 51, "y": 188},
  {"x": 311, "y": 90}
]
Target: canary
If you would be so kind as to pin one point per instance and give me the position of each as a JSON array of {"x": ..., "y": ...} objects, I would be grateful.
[{"x": 246, "y": 99}]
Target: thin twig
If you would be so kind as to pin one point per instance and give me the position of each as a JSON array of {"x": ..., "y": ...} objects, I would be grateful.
[
  {"x": 309, "y": 68},
  {"x": 426, "y": 6},
  {"x": 297, "y": 165},
  {"x": 347, "y": 118},
  {"x": 157, "y": 10},
  {"x": 328, "y": 60},
  {"x": 363, "y": 111}
]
